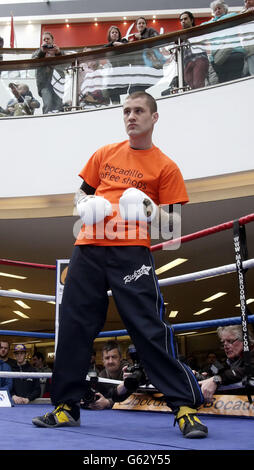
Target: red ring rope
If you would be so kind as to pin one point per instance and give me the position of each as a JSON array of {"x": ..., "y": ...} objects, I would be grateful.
[
  {"x": 186, "y": 238},
  {"x": 202, "y": 233}
]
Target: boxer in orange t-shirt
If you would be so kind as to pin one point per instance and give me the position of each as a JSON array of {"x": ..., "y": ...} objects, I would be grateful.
[{"x": 125, "y": 189}]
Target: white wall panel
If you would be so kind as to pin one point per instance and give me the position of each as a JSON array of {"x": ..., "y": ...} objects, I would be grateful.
[{"x": 208, "y": 133}]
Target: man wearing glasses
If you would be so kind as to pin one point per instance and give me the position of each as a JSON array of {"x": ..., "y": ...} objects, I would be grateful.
[{"x": 231, "y": 340}]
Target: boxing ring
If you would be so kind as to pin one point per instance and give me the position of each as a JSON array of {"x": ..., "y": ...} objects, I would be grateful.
[{"x": 131, "y": 430}]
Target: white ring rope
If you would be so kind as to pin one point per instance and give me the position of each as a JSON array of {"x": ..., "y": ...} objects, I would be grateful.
[
  {"x": 27, "y": 295},
  {"x": 47, "y": 375},
  {"x": 228, "y": 268}
]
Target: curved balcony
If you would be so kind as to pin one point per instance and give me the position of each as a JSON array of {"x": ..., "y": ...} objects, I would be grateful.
[{"x": 168, "y": 64}]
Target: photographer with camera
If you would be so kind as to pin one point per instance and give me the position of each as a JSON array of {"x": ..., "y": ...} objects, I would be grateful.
[
  {"x": 48, "y": 77},
  {"x": 234, "y": 371},
  {"x": 99, "y": 395},
  {"x": 113, "y": 369}
]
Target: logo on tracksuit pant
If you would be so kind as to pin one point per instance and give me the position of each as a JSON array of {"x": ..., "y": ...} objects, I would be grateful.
[{"x": 144, "y": 270}]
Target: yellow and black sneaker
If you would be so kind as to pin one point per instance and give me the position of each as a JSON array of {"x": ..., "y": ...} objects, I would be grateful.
[
  {"x": 190, "y": 424},
  {"x": 62, "y": 415}
]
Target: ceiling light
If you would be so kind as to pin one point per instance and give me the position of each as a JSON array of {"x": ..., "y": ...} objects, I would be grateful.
[
  {"x": 21, "y": 304},
  {"x": 189, "y": 333},
  {"x": 170, "y": 265},
  {"x": 215, "y": 296},
  {"x": 9, "y": 321},
  {"x": 21, "y": 314},
  {"x": 51, "y": 302},
  {"x": 14, "y": 276},
  {"x": 173, "y": 314},
  {"x": 202, "y": 311},
  {"x": 248, "y": 301}
]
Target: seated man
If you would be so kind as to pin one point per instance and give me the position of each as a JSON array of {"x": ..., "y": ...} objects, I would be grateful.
[
  {"x": 38, "y": 362},
  {"x": 24, "y": 103},
  {"x": 5, "y": 382},
  {"x": 114, "y": 368},
  {"x": 24, "y": 390},
  {"x": 232, "y": 341}
]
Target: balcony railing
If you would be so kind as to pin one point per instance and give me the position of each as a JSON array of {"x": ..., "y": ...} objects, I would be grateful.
[{"x": 174, "y": 63}]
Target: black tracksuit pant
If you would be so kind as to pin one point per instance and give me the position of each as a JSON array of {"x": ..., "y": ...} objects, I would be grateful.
[{"x": 129, "y": 273}]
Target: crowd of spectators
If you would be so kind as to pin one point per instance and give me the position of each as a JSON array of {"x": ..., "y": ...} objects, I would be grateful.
[
  {"x": 225, "y": 368},
  {"x": 203, "y": 65}
]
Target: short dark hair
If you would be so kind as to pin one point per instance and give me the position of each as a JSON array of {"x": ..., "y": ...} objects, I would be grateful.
[
  {"x": 149, "y": 99},
  {"x": 39, "y": 355},
  {"x": 190, "y": 15},
  {"x": 111, "y": 345}
]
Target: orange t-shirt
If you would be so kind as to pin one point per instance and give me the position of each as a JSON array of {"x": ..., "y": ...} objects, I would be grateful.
[{"x": 116, "y": 167}]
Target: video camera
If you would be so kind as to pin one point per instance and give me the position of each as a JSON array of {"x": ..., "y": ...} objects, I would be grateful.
[
  {"x": 90, "y": 395},
  {"x": 138, "y": 376}
]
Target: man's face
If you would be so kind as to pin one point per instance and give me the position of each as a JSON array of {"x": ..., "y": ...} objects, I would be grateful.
[
  {"x": 22, "y": 89},
  {"x": 138, "y": 118},
  {"x": 233, "y": 347},
  {"x": 111, "y": 360},
  {"x": 20, "y": 357},
  {"x": 36, "y": 362},
  {"x": 47, "y": 39},
  {"x": 4, "y": 349},
  {"x": 185, "y": 21},
  {"x": 249, "y": 3}
]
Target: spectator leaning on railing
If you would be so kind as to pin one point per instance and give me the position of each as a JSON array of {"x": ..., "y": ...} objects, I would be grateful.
[{"x": 231, "y": 339}]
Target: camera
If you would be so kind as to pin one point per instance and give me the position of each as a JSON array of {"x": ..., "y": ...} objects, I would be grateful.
[
  {"x": 215, "y": 369},
  {"x": 48, "y": 46},
  {"x": 90, "y": 394},
  {"x": 137, "y": 376}
]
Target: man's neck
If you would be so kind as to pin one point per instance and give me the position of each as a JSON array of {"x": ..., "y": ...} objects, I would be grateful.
[{"x": 140, "y": 143}]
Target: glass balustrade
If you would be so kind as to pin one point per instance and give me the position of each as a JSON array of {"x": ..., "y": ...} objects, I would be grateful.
[{"x": 99, "y": 77}]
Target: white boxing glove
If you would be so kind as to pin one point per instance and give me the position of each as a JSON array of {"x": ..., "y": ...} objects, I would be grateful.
[
  {"x": 136, "y": 205},
  {"x": 93, "y": 209}
]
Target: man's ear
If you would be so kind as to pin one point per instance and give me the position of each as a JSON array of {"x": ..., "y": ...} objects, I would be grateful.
[{"x": 155, "y": 117}]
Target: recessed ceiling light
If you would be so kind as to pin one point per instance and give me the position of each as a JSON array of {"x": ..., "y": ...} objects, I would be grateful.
[
  {"x": 173, "y": 314},
  {"x": 21, "y": 314},
  {"x": 202, "y": 311},
  {"x": 14, "y": 276},
  {"x": 248, "y": 301},
  {"x": 170, "y": 265},
  {"x": 9, "y": 321},
  {"x": 185, "y": 334},
  {"x": 215, "y": 296},
  {"x": 21, "y": 304}
]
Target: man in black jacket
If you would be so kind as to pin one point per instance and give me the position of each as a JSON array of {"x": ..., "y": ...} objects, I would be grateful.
[
  {"x": 49, "y": 78},
  {"x": 234, "y": 372},
  {"x": 27, "y": 389}
]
